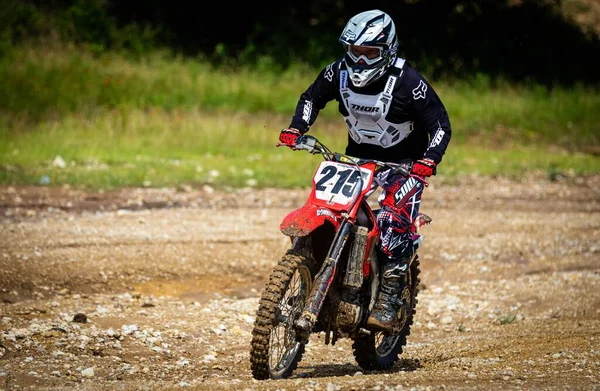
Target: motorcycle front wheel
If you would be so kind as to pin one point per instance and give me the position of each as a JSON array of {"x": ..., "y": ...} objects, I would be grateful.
[
  {"x": 379, "y": 350},
  {"x": 275, "y": 349}
]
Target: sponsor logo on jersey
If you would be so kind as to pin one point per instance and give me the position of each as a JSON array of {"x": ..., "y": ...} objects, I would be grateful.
[
  {"x": 329, "y": 72},
  {"x": 437, "y": 138},
  {"x": 420, "y": 91},
  {"x": 307, "y": 111}
]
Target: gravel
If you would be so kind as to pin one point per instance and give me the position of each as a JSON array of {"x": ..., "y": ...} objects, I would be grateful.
[{"x": 158, "y": 289}]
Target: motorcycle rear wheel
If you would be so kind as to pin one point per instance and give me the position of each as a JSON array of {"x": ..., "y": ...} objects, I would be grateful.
[
  {"x": 275, "y": 349},
  {"x": 378, "y": 350}
]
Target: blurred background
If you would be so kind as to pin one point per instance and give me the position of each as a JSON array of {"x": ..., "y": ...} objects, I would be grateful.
[{"x": 104, "y": 94}]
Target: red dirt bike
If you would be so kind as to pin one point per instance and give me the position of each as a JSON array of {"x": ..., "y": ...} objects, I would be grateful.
[{"x": 328, "y": 281}]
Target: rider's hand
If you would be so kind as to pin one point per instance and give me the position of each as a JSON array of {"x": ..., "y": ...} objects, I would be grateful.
[
  {"x": 424, "y": 167},
  {"x": 289, "y": 136}
]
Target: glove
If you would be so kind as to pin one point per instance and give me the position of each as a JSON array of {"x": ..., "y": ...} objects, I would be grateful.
[
  {"x": 424, "y": 167},
  {"x": 289, "y": 136}
]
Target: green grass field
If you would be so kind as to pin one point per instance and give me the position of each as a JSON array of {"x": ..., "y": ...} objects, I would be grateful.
[{"x": 69, "y": 117}]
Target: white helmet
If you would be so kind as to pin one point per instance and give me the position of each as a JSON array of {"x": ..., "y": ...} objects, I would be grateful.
[{"x": 369, "y": 39}]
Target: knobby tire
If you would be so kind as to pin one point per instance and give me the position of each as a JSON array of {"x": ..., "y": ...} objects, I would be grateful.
[
  {"x": 371, "y": 354},
  {"x": 269, "y": 314}
]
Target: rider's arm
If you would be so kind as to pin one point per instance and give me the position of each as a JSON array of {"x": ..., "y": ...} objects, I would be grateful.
[
  {"x": 316, "y": 96},
  {"x": 430, "y": 115}
]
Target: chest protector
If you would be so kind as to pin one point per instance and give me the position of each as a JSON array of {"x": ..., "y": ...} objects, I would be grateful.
[{"x": 366, "y": 119}]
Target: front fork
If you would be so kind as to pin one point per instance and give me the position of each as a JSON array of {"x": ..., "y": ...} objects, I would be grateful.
[{"x": 323, "y": 279}]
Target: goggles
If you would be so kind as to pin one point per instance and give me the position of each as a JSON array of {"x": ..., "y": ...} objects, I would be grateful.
[{"x": 364, "y": 55}]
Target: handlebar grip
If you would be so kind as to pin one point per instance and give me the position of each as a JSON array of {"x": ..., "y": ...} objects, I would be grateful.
[{"x": 403, "y": 170}]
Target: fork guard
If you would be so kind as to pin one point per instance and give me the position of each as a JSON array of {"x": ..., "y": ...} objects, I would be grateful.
[{"x": 306, "y": 219}]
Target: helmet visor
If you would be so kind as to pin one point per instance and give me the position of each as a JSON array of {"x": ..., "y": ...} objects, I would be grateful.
[{"x": 364, "y": 55}]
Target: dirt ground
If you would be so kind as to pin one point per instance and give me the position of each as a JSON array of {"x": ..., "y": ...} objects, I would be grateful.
[{"x": 158, "y": 289}]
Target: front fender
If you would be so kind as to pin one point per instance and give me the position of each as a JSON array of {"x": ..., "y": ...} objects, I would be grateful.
[{"x": 306, "y": 219}]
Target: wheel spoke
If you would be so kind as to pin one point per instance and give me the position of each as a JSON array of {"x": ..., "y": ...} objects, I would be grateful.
[
  {"x": 380, "y": 350},
  {"x": 283, "y": 335},
  {"x": 276, "y": 350},
  {"x": 281, "y": 318}
]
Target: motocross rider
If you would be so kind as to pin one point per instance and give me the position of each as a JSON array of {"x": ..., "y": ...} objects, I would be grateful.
[{"x": 392, "y": 114}]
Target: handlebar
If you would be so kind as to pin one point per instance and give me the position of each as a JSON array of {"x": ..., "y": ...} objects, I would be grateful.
[{"x": 314, "y": 146}]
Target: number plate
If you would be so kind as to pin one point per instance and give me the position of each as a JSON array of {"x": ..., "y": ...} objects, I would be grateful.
[{"x": 336, "y": 182}]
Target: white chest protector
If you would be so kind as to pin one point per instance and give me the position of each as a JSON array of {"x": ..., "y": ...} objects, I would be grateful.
[{"x": 366, "y": 120}]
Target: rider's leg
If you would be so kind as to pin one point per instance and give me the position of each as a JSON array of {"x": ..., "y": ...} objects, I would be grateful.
[{"x": 400, "y": 200}]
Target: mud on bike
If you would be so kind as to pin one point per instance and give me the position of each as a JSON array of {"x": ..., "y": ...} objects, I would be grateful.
[{"x": 328, "y": 280}]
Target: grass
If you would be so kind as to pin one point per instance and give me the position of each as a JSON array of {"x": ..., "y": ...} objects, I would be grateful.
[
  {"x": 161, "y": 148},
  {"x": 45, "y": 83},
  {"x": 69, "y": 117},
  {"x": 506, "y": 319}
]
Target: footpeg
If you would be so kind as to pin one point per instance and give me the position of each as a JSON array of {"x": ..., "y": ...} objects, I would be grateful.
[
  {"x": 421, "y": 220},
  {"x": 306, "y": 321}
]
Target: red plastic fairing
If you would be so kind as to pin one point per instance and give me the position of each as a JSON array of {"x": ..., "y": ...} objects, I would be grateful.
[{"x": 306, "y": 219}]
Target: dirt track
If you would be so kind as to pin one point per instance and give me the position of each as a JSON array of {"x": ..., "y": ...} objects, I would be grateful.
[{"x": 168, "y": 282}]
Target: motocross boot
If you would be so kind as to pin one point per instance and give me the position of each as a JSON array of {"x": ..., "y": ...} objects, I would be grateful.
[{"x": 384, "y": 316}]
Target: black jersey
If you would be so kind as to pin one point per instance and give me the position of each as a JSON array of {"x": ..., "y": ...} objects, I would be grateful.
[{"x": 407, "y": 118}]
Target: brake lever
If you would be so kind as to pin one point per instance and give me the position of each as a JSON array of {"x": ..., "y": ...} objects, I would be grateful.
[
  {"x": 407, "y": 173},
  {"x": 420, "y": 179},
  {"x": 404, "y": 171}
]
